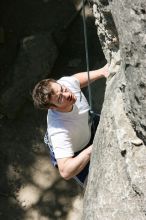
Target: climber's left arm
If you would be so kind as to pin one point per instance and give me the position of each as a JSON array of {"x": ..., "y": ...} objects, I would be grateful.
[{"x": 94, "y": 75}]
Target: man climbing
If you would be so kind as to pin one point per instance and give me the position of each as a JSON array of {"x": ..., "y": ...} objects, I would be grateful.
[{"x": 68, "y": 121}]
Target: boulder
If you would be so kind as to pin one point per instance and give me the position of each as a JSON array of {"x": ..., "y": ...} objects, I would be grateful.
[{"x": 36, "y": 57}]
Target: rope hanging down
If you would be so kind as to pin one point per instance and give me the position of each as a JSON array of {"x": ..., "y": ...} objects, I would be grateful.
[{"x": 87, "y": 55}]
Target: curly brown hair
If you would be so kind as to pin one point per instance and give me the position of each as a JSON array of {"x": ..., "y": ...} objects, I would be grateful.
[{"x": 42, "y": 92}]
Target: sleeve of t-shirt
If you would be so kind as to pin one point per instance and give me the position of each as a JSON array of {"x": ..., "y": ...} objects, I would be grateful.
[
  {"x": 71, "y": 82},
  {"x": 62, "y": 146}
]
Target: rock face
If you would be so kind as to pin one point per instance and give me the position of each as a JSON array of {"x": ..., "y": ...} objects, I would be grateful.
[
  {"x": 116, "y": 188},
  {"x": 35, "y": 60}
]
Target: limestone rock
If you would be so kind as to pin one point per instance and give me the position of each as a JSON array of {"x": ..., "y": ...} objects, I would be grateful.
[{"x": 116, "y": 188}]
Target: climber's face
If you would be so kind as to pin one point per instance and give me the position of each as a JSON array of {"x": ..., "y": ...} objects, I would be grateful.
[{"x": 62, "y": 98}]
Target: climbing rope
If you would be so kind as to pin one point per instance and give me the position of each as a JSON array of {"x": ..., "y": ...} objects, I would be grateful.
[
  {"x": 87, "y": 54},
  {"x": 94, "y": 116}
]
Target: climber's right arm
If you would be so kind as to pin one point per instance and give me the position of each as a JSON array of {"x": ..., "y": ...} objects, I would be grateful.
[{"x": 71, "y": 166}]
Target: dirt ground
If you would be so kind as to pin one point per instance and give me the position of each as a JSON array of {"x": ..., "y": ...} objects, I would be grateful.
[{"x": 30, "y": 188}]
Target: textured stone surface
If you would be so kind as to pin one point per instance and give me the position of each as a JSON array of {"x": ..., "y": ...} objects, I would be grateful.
[
  {"x": 34, "y": 62},
  {"x": 116, "y": 189}
]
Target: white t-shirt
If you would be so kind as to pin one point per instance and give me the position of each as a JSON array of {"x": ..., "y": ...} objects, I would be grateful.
[{"x": 69, "y": 132}]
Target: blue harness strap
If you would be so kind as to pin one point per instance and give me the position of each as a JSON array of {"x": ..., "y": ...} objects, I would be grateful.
[
  {"x": 52, "y": 155},
  {"x": 81, "y": 177}
]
